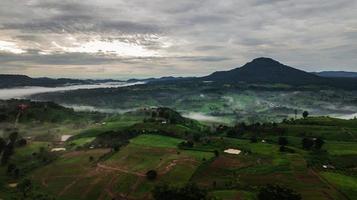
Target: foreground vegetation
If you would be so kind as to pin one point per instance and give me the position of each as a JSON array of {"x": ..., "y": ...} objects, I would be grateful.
[{"x": 155, "y": 152}]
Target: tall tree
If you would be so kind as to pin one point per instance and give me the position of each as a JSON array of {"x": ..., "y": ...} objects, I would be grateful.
[
  {"x": 13, "y": 137},
  {"x": 305, "y": 114},
  {"x": 25, "y": 187},
  {"x": 8, "y": 151},
  {"x": 2, "y": 144}
]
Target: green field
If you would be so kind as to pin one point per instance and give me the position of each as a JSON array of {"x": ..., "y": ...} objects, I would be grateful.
[
  {"x": 156, "y": 141},
  {"x": 347, "y": 184}
]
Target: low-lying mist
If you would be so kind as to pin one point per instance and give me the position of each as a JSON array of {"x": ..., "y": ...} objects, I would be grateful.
[{"x": 23, "y": 92}]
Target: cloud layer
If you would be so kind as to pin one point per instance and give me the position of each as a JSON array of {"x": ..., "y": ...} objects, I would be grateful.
[{"x": 140, "y": 38}]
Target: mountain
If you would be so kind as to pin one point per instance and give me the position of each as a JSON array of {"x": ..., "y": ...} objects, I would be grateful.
[
  {"x": 10, "y": 80},
  {"x": 266, "y": 70},
  {"x": 161, "y": 79},
  {"x": 339, "y": 74}
]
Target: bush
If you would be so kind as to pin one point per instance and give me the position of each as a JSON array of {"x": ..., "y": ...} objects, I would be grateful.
[{"x": 151, "y": 175}]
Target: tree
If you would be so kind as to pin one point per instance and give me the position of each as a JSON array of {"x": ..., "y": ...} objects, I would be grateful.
[
  {"x": 91, "y": 158},
  {"x": 305, "y": 114},
  {"x": 13, "y": 137},
  {"x": 8, "y": 151},
  {"x": 10, "y": 168},
  {"x": 116, "y": 147},
  {"x": 318, "y": 143},
  {"x": 275, "y": 192},
  {"x": 283, "y": 141},
  {"x": 307, "y": 143},
  {"x": 151, "y": 175},
  {"x": 216, "y": 153},
  {"x": 2, "y": 144},
  {"x": 25, "y": 187}
]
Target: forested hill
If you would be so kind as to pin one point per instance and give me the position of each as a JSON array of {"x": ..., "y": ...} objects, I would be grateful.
[{"x": 10, "y": 81}]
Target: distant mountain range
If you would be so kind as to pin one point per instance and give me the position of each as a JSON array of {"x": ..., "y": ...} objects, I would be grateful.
[
  {"x": 165, "y": 78},
  {"x": 258, "y": 71},
  {"x": 338, "y": 74},
  {"x": 9, "y": 81}
]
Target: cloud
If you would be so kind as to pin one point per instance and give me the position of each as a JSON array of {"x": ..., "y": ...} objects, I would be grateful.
[{"x": 153, "y": 38}]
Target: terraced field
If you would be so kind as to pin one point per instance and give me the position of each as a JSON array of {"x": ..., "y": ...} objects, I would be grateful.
[{"x": 124, "y": 173}]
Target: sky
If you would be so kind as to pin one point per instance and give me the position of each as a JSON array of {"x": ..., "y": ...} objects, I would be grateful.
[{"x": 151, "y": 38}]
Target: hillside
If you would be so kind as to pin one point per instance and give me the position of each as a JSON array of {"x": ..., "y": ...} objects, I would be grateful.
[
  {"x": 114, "y": 162},
  {"x": 41, "y": 112},
  {"x": 340, "y": 74},
  {"x": 10, "y": 81}
]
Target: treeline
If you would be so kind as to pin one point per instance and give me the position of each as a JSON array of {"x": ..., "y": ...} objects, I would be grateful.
[
  {"x": 28, "y": 111},
  {"x": 242, "y": 129}
]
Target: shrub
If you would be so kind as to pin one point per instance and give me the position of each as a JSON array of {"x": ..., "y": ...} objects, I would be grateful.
[{"x": 151, "y": 175}]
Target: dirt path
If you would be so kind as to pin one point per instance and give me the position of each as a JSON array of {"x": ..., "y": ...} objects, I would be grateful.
[
  {"x": 105, "y": 167},
  {"x": 65, "y": 189},
  {"x": 88, "y": 189},
  {"x": 44, "y": 183},
  {"x": 173, "y": 163},
  {"x": 136, "y": 184}
]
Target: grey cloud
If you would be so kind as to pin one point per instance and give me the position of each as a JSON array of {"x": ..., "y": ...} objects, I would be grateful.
[
  {"x": 206, "y": 59},
  {"x": 186, "y": 33}
]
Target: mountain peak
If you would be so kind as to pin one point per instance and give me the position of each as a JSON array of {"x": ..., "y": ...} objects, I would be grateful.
[
  {"x": 263, "y": 59},
  {"x": 263, "y": 62}
]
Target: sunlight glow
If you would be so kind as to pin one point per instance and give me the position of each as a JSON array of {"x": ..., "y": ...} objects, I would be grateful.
[
  {"x": 10, "y": 47},
  {"x": 114, "y": 47}
]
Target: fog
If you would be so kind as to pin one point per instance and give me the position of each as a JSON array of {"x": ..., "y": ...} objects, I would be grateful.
[
  {"x": 97, "y": 109},
  {"x": 23, "y": 92},
  {"x": 348, "y": 116},
  {"x": 203, "y": 117}
]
